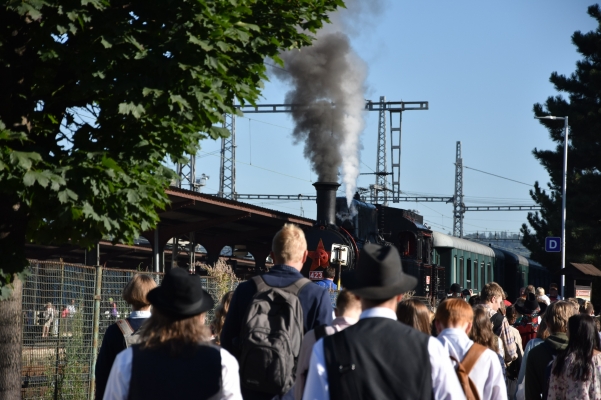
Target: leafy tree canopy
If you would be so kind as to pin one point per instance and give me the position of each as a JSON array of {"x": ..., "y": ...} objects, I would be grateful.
[
  {"x": 583, "y": 196},
  {"x": 95, "y": 94}
]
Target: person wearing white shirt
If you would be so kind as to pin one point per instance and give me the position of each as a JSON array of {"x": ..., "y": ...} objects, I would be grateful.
[
  {"x": 348, "y": 309},
  {"x": 175, "y": 359},
  {"x": 453, "y": 321},
  {"x": 379, "y": 357}
]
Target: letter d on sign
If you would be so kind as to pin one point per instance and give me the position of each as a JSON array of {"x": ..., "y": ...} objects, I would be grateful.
[{"x": 552, "y": 244}]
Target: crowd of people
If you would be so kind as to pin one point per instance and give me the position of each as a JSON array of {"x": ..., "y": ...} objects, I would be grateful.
[{"x": 277, "y": 336}]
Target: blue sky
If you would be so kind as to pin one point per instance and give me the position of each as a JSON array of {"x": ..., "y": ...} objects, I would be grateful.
[{"x": 481, "y": 66}]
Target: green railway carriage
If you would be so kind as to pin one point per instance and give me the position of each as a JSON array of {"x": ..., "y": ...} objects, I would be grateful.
[{"x": 469, "y": 264}]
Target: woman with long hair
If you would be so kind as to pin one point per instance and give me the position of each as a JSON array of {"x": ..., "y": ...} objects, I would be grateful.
[
  {"x": 220, "y": 313},
  {"x": 576, "y": 372},
  {"x": 414, "y": 313},
  {"x": 482, "y": 330},
  {"x": 482, "y": 334},
  {"x": 175, "y": 359}
]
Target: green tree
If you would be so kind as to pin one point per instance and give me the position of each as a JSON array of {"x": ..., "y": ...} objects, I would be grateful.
[
  {"x": 96, "y": 94},
  {"x": 583, "y": 196}
]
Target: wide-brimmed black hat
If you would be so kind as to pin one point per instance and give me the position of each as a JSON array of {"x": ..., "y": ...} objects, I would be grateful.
[
  {"x": 379, "y": 274},
  {"x": 529, "y": 306},
  {"x": 180, "y": 295}
]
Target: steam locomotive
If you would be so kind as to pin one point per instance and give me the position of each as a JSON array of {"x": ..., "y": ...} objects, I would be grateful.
[{"x": 436, "y": 259}]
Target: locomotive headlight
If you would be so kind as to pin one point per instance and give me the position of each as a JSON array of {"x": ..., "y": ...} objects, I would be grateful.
[{"x": 340, "y": 254}]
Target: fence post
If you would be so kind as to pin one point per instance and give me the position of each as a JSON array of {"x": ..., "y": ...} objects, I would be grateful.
[{"x": 95, "y": 324}]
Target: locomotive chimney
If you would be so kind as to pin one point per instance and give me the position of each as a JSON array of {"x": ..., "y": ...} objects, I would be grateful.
[{"x": 326, "y": 202}]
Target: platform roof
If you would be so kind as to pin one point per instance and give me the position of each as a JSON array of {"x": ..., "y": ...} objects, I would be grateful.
[{"x": 216, "y": 222}]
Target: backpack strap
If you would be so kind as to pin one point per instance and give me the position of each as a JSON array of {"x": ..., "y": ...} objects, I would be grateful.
[
  {"x": 125, "y": 327},
  {"x": 463, "y": 370},
  {"x": 293, "y": 289},
  {"x": 320, "y": 332},
  {"x": 472, "y": 356}
]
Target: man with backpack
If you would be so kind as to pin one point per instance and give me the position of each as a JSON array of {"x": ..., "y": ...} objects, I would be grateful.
[
  {"x": 492, "y": 298},
  {"x": 538, "y": 371},
  {"x": 269, "y": 315},
  {"x": 379, "y": 357},
  {"x": 477, "y": 367}
]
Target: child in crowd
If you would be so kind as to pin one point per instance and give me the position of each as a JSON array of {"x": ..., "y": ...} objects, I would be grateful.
[{"x": 453, "y": 321}]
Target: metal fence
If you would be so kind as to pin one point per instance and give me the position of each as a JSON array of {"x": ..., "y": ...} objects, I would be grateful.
[{"x": 66, "y": 310}]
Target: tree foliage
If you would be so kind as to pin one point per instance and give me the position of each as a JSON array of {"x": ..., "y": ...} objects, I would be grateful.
[
  {"x": 95, "y": 94},
  {"x": 583, "y": 196}
]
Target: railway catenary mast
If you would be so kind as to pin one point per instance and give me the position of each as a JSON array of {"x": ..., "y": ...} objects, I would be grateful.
[
  {"x": 227, "y": 172},
  {"x": 381, "y": 195},
  {"x": 458, "y": 205}
]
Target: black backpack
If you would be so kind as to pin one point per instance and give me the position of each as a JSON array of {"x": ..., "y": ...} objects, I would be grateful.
[
  {"x": 514, "y": 368},
  {"x": 271, "y": 337},
  {"x": 497, "y": 323}
]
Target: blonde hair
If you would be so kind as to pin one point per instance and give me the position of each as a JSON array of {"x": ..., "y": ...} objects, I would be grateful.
[
  {"x": 289, "y": 244},
  {"x": 557, "y": 315},
  {"x": 452, "y": 312},
  {"x": 136, "y": 290},
  {"x": 162, "y": 330},
  {"x": 540, "y": 291},
  {"x": 491, "y": 290}
]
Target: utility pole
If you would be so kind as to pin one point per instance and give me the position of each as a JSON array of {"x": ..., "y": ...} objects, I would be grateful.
[
  {"x": 227, "y": 173},
  {"x": 381, "y": 196},
  {"x": 458, "y": 205}
]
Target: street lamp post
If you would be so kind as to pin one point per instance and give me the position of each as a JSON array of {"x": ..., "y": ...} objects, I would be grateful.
[{"x": 563, "y": 198}]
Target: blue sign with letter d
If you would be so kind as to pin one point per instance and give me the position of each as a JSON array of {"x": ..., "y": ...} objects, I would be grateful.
[{"x": 552, "y": 244}]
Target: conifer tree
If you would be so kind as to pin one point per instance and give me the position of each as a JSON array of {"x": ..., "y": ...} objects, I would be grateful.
[{"x": 583, "y": 197}]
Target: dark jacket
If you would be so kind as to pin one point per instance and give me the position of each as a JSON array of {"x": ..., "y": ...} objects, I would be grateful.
[
  {"x": 112, "y": 344},
  {"x": 538, "y": 360},
  {"x": 315, "y": 302}
]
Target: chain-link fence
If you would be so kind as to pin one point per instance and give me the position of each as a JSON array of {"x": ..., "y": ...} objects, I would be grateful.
[{"x": 66, "y": 310}]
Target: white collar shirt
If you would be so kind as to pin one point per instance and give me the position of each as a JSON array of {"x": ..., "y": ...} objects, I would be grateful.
[
  {"x": 445, "y": 385},
  {"x": 486, "y": 374}
]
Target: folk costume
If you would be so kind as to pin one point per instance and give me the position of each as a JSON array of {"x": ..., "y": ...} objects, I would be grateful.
[
  {"x": 201, "y": 371},
  {"x": 395, "y": 361}
]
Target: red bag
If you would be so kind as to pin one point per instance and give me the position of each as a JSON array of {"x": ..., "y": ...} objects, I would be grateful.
[{"x": 528, "y": 328}]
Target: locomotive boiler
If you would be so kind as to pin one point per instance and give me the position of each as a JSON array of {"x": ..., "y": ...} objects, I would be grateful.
[{"x": 329, "y": 244}]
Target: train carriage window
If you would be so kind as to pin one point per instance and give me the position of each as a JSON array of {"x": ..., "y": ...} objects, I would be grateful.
[
  {"x": 461, "y": 272},
  {"x": 454, "y": 271},
  {"x": 468, "y": 270},
  {"x": 476, "y": 276},
  {"x": 482, "y": 274},
  {"x": 490, "y": 277}
]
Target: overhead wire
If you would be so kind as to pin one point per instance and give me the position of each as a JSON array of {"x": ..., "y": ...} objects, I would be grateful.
[{"x": 498, "y": 176}]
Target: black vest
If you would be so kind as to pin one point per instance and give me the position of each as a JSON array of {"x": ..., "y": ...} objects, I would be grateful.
[
  {"x": 194, "y": 374},
  {"x": 378, "y": 358}
]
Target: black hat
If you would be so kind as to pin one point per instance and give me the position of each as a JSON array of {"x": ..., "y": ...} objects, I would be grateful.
[
  {"x": 529, "y": 306},
  {"x": 455, "y": 288},
  {"x": 180, "y": 295},
  {"x": 379, "y": 274}
]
